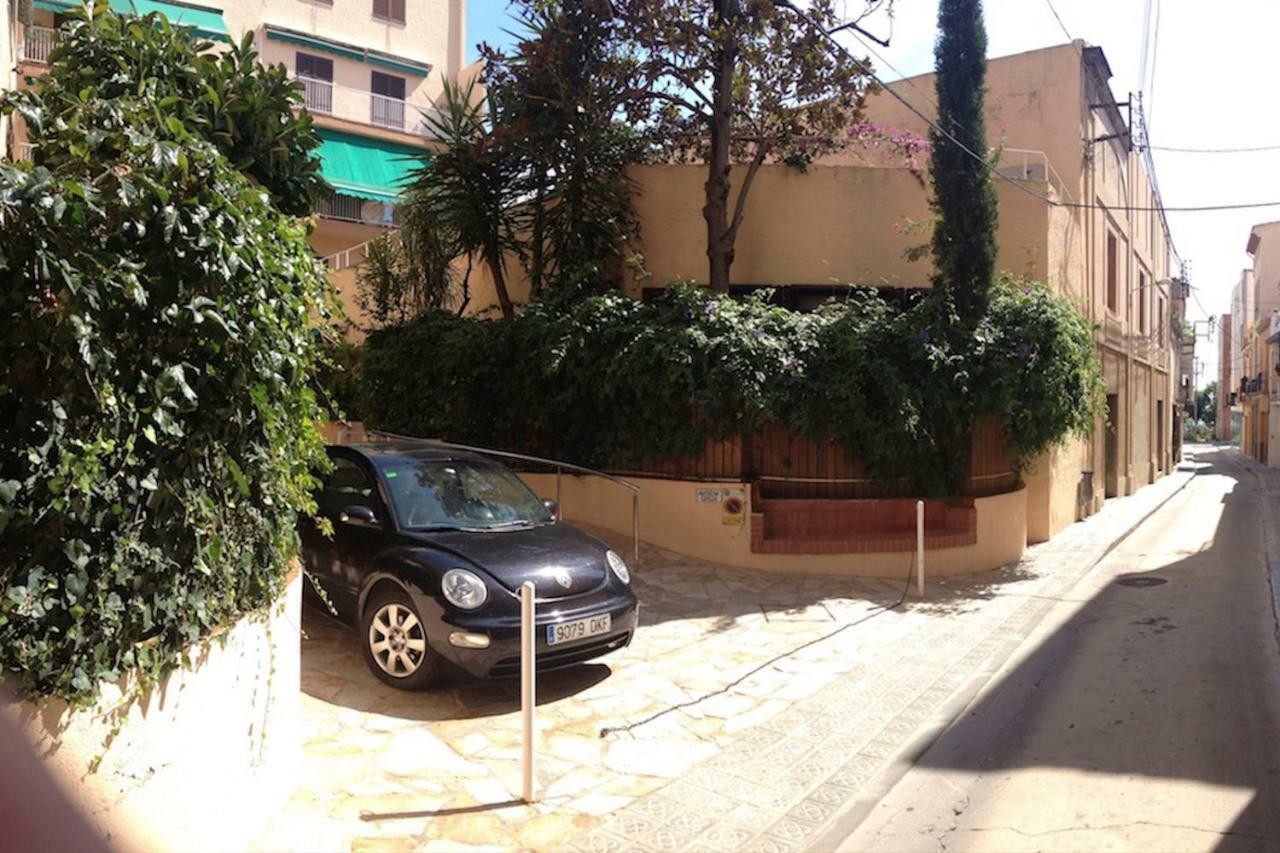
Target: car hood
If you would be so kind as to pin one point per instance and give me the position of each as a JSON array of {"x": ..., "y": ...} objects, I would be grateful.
[{"x": 546, "y": 555}]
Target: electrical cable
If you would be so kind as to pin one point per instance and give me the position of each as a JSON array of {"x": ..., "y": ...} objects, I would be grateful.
[
  {"x": 986, "y": 163},
  {"x": 1058, "y": 18},
  {"x": 1244, "y": 150},
  {"x": 876, "y": 611},
  {"x": 1155, "y": 60}
]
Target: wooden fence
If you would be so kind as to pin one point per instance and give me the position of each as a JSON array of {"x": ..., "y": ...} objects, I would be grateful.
[{"x": 785, "y": 465}]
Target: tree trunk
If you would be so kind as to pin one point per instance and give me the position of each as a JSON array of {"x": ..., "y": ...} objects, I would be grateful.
[
  {"x": 716, "y": 209},
  {"x": 500, "y": 288}
]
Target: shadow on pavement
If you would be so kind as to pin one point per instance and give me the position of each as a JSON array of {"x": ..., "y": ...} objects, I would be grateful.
[
  {"x": 1159, "y": 681},
  {"x": 333, "y": 671}
]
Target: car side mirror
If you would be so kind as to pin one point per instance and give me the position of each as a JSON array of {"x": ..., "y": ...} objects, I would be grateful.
[
  {"x": 358, "y": 516},
  {"x": 552, "y": 508}
]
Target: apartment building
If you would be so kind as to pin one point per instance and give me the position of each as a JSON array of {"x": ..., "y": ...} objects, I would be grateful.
[
  {"x": 1256, "y": 345},
  {"x": 852, "y": 219},
  {"x": 370, "y": 70}
]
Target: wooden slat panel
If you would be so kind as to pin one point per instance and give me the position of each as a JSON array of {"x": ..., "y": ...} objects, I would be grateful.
[{"x": 776, "y": 456}]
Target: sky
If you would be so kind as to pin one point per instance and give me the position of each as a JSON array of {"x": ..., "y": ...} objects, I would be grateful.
[{"x": 1210, "y": 84}]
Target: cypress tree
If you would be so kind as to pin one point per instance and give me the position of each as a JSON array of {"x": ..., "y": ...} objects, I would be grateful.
[{"x": 964, "y": 200}]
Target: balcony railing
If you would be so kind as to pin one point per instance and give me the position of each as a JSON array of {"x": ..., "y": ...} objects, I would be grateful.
[
  {"x": 38, "y": 43},
  {"x": 352, "y": 209},
  {"x": 350, "y": 104}
]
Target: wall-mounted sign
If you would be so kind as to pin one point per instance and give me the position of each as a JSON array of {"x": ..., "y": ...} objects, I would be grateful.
[{"x": 710, "y": 496}]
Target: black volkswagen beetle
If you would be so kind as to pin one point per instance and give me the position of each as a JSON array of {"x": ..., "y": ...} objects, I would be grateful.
[{"x": 430, "y": 546}]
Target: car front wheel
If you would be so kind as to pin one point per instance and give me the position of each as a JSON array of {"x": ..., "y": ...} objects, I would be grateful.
[{"x": 395, "y": 642}]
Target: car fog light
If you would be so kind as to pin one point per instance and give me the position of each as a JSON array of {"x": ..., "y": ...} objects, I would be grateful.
[{"x": 463, "y": 640}]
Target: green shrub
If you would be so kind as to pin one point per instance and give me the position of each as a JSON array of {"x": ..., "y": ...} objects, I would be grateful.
[
  {"x": 157, "y": 431},
  {"x": 612, "y": 381}
]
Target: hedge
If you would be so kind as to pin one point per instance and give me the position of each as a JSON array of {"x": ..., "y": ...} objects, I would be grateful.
[
  {"x": 157, "y": 431},
  {"x": 611, "y": 381}
]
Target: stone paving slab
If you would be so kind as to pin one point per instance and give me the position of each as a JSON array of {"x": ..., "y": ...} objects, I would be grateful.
[{"x": 719, "y": 756}]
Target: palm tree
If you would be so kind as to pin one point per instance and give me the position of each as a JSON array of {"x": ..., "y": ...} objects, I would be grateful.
[{"x": 466, "y": 192}]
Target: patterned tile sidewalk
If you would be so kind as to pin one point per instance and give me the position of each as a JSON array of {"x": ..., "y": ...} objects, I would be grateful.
[{"x": 718, "y": 757}]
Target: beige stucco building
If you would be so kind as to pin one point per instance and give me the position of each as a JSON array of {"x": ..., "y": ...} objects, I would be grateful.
[
  {"x": 1079, "y": 211},
  {"x": 1256, "y": 345},
  {"x": 851, "y": 219},
  {"x": 370, "y": 70}
]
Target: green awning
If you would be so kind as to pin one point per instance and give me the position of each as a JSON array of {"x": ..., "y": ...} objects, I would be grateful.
[
  {"x": 206, "y": 22},
  {"x": 349, "y": 51},
  {"x": 366, "y": 167}
]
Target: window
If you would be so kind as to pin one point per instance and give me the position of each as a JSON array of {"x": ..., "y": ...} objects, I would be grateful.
[
  {"x": 316, "y": 74},
  {"x": 389, "y": 10},
  {"x": 1112, "y": 280},
  {"x": 314, "y": 67},
  {"x": 1142, "y": 302},
  {"x": 387, "y": 100},
  {"x": 348, "y": 484}
]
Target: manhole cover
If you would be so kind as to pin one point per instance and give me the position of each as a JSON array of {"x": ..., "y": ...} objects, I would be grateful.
[{"x": 1140, "y": 582}]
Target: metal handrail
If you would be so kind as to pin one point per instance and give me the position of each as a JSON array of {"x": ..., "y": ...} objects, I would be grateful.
[
  {"x": 559, "y": 464},
  {"x": 342, "y": 260}
]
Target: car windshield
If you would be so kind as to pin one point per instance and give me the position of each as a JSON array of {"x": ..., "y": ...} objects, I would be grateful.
[{"x": 465, "y": 494}]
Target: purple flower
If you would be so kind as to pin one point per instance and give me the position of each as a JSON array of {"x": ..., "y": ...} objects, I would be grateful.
[
  {"x": 728, "y": 367},
  {"x": 1026, "y": 291},
  {"x": 924, "y": 335},
  {"x": 757, "y": 335},
  {"x": 710, "y": 308},
  {"x": 1024, "y": 351}
]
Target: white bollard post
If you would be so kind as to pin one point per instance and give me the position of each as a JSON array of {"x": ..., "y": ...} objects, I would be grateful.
[
  {"x": 528, "y": 656},
  {"x": 920, "y": 548}
]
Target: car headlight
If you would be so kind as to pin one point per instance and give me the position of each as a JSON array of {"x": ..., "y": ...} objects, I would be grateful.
[
  {"x": 463, "y": 589},
  {"x": 619, "y": 567}
]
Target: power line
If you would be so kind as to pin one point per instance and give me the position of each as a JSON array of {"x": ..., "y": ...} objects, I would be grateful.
[
  {"x": 1058, "y": 18},
  {"x": 1155, "y": 60},
  {"x": 1144, "y": 46},
  {"x": 1244, "y": 150},
  {"x": 990, "y": 167},
  {"x": 1202, "y": 208}
]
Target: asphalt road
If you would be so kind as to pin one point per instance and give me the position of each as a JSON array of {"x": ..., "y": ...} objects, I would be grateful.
[{"x": 1136, "y": 717}]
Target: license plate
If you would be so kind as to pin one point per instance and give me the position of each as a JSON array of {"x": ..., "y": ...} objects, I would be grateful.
[{"x": 567, "y": 632}]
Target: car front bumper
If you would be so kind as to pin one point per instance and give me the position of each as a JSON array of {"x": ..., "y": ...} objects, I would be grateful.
[{"x": 502, "y": 658}]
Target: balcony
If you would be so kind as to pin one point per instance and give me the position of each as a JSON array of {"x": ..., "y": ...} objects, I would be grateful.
[
  {"x": 322, "y": 97},
  {"x": 351, "y": 209},
  {"x": 37, "y": 44}
]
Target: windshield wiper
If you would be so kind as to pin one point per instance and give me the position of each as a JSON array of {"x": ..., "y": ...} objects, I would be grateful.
[{"x": 508, "y": 525}]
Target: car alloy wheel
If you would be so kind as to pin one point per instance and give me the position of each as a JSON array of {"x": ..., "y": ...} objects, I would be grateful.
[{"x": 396, "y": 640}]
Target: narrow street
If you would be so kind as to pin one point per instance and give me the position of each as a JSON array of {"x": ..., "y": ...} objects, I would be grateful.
[{"x": 1141, "y": 714}]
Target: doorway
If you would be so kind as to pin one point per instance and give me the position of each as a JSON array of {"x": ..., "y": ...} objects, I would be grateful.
[{"x": 1112, "y": 459}]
